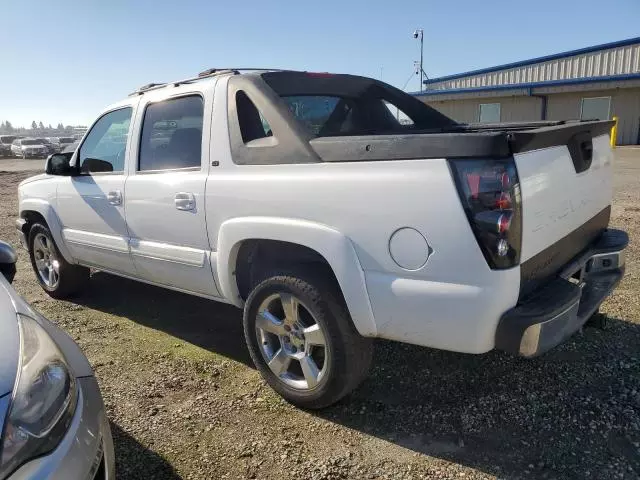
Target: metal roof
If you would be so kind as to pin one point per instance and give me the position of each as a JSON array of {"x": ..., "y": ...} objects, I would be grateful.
[
  {"x": 570, "y": 53},
  {"x": 518, "y": 86}
]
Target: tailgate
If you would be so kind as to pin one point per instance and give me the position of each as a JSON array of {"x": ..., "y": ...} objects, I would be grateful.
[{"x": 565, "y": 176}]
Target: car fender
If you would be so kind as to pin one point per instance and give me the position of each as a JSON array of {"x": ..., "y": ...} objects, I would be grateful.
[
  {"x": 335, "y": 247},
  {"x": 45, "y": 209}
]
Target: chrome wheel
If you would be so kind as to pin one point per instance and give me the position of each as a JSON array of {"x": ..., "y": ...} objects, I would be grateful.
[
  {"x": 47, "y": 264},
  {"x": 292, "y": 341}
]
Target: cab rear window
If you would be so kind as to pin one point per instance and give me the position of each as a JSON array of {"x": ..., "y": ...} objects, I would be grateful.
[{"x": 336, "y": 105}]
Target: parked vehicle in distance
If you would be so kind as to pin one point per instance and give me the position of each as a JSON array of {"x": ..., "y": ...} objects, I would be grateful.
[
  {"x": 71, "y": 147},
  {"x": 52, "y": 418},
  {"x": 29, "y": 148},
  {"x": 301, "y": 198},
  {"x": 5, "y": 144},
  {"x": 65, "y": 141},
  {"x": 49, "y": 145}
]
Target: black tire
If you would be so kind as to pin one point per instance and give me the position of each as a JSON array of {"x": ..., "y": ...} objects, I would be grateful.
[
  {"x": 72, "y": 278},
  {"x": 349, "y": 354}
]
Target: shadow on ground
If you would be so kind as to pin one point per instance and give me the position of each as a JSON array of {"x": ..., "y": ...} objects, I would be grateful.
[
  {"x": 134, "y": 461},
  {"x": 214, "y": 326},
  {"x": 572, "y": 413}
]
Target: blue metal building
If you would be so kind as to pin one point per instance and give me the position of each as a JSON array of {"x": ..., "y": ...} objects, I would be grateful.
[{"x": 601, "y": 81}]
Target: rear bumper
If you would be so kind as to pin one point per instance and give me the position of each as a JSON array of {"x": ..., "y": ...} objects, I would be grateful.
[{"x": 554, "y": 312}]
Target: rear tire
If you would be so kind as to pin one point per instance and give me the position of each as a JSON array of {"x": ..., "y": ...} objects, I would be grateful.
[
  {"x": 303, "y": 341},
  {"x": 55, "y": 275}
]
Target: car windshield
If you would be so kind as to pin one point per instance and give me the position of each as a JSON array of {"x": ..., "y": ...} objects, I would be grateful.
[
  {"x": 43, "y": 141},
  {"x": 67, "y": 140},
  {"x": 31, "y": 141},
  {"x": 7, "y": 139}
]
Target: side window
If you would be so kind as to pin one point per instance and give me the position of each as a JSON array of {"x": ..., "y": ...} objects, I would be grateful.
[
  {"x": 172, "y": 134},
  {"x": 253, "y": 125},
  {"x": 105, "y": 145},
  {"x": 401, "y": 117}
]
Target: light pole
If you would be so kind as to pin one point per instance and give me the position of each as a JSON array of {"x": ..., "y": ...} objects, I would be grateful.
[{"x": 419, "y": 33}]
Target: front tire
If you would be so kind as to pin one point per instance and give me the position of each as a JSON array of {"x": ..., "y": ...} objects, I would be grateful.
[
  {"x": 302, "y": 340},
  {"x": 55, "y": 275}
]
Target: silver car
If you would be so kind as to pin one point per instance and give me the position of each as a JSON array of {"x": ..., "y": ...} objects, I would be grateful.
[{"x": 52, "y": 418}]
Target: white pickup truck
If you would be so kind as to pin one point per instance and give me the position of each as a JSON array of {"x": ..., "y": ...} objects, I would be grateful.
[{"x": 301, "y": 198}]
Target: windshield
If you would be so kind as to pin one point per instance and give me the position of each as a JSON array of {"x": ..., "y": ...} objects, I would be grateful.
[
  {"x": 31, "y": 141},
  {"x": 67, "y": 140},
  {"x": 43, "y": 141},
  {"x": 7, "y": 138}
]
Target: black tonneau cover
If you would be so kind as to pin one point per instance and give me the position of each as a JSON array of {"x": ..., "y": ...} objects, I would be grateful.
[{"x": 463, "y": 143}]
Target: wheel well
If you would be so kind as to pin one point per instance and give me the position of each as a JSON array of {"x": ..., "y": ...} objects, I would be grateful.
[
  {"x": 257, "y": 256},
  {"x": 32, "y": 217}
]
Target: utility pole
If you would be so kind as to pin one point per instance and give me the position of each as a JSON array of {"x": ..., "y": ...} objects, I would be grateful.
[{"x": 419, "y": 34}]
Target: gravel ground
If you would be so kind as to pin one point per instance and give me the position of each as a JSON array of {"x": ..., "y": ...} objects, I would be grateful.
[{"x": 185, "y": 401}]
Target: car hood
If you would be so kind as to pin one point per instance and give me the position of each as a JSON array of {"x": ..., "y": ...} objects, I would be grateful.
[
  {"x": 37, "y": 145},
  {"x": 35, "y": 178},
  {"x": 9, "y": 338}
]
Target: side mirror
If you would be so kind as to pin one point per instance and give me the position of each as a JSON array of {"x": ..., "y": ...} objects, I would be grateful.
[
  {"x": 8, "y": 259},
  {"x": 58, "y": 164},
  {"x": 90, "y": 165}
]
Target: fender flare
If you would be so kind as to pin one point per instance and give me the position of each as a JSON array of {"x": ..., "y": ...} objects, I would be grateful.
[
  {"x": 45, "y": 209},
  {"x": 335, "y": 247}
]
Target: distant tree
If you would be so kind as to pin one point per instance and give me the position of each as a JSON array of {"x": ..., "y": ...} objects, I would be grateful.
[
  {"x": 60, "y": 126},
  {"x": 68, "y": 128},
  {"x": 8, "y": 127},
  {"x": 50, "y": 127},
  {"x": 2, "y": 126},
  {"x": 41, "y": 125},
  {"x": 34, "y": 125}
]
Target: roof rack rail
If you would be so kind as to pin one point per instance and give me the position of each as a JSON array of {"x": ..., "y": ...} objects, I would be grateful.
[
  {"x": 210, "y": 72},
  {"x": 146, "y": 88}
]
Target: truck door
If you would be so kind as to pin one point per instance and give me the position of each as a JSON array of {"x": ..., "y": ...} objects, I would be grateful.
[
  {"x": 164, "y": 194},
  {"x": 90, "y": 204}
]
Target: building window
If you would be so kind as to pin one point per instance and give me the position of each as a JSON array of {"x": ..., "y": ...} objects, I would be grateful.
[
  {"x": 595, "y": 108},
  {"x": 489, "y": 113}
]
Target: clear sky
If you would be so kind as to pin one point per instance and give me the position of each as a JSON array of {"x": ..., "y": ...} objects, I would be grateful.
[{"x": 65, "y": 60}]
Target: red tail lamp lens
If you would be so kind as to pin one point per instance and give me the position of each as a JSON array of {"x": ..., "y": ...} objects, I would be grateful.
[
  {"x": 504, "y": 201},
  {"x": 505, "y": 180},
  {"x": 490, "y": 194},
  {"x": 504, "y": 221}
]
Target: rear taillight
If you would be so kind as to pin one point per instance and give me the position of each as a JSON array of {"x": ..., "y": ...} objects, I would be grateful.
[{"x": 490, "y": 194}]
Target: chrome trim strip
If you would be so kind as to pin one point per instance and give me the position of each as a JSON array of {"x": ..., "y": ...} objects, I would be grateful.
[
  {"x": 96, "y": 240},
  {"x": 192, "y": 257}
]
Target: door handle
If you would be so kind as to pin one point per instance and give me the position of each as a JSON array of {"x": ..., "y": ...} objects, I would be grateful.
[
  {"x": 115, "y": 197},
  {"x": 185, "y": 201}
]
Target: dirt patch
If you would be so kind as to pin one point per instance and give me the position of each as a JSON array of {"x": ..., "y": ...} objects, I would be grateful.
[{"x": 185, "y": 401}]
